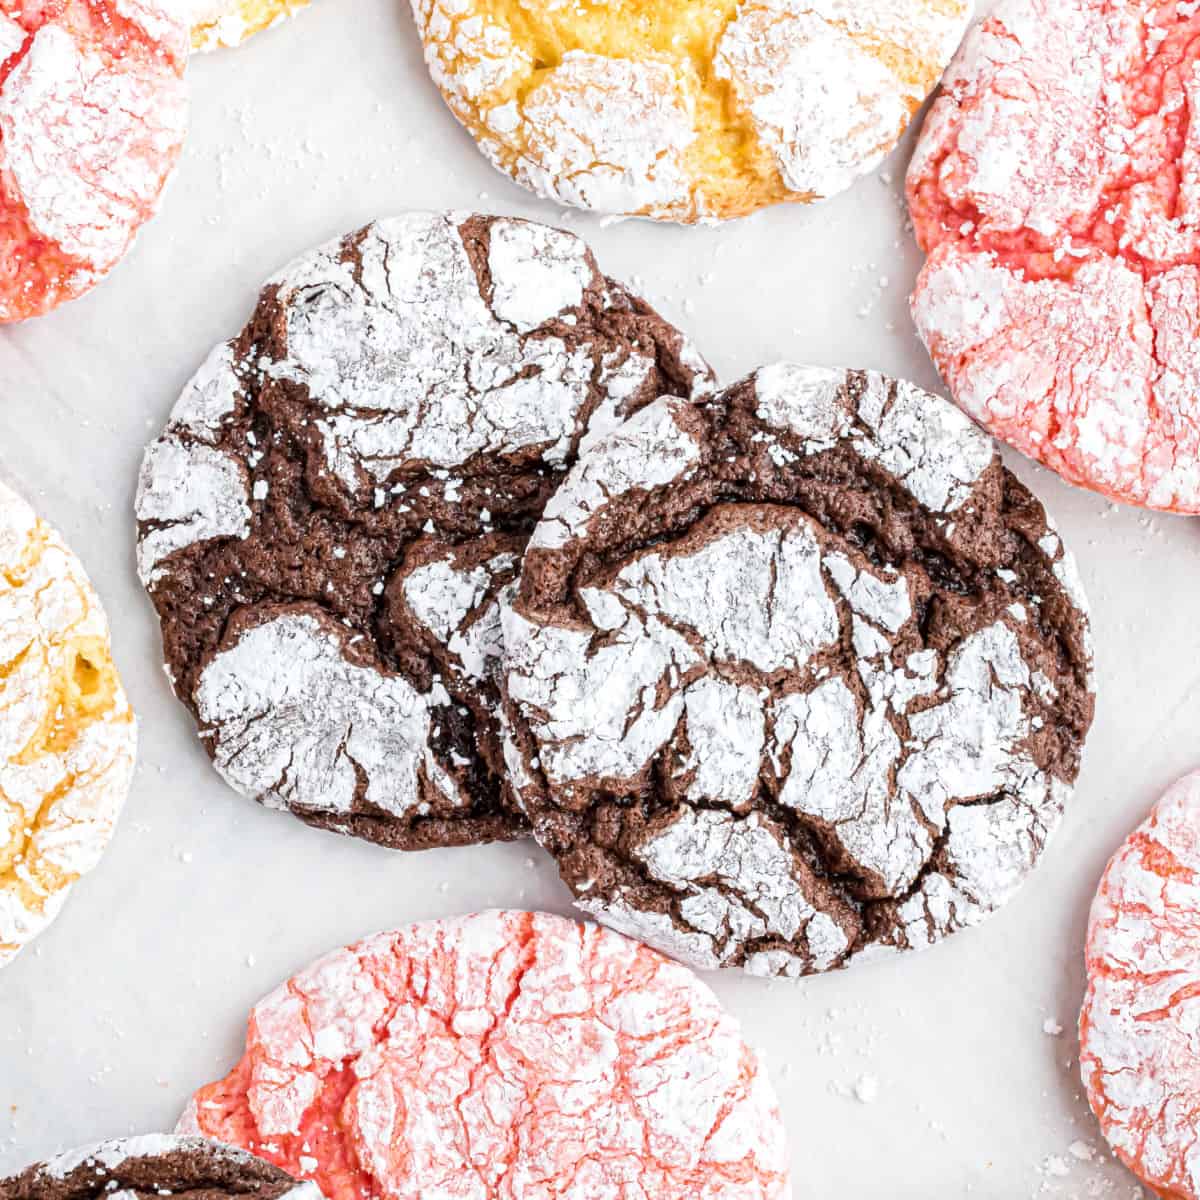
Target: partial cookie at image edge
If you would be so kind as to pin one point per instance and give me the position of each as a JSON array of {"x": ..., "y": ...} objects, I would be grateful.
[
  {"x": 1053, "y": 188},
  {"x": 68, "y": 738},
  {"x": 687, "y": 112},
  {"x": 227, "y": 24},
  {"x": 156, "y": 1165},
  {"x": 1138, "y": 1057},
  {"x": 93, "y": 111}
]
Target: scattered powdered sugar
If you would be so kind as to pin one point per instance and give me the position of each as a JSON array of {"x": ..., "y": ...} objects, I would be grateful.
[
  {"x": 67, "y": 734},
  {"x": 480, "y": 1054},
  {"x": 298, "y": 725}
]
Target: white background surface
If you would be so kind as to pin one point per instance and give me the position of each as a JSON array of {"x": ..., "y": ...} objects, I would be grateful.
[{"x": 139, "y": 993}]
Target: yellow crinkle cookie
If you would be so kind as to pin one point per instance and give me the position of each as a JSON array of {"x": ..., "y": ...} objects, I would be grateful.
[
  {"x": 67, "y": 734},
  {"x": 217, "y": 23},
  {"x": 687, "y": 109}
]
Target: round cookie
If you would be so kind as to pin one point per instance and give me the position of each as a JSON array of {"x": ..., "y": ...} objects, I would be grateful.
[
  {"x": 796, "y": 677},
  {"x": 67, "y": 735},
  {"x": 1055, "y": 188},
  {"x": 226, "y": 23},
  {"x": 1138, "y": 1052},
  {"x": 344, "y": 491},
  {"x": 502, "y": 1055},
  {"x": 155, "y": 1165},
  {"x": 92, "y": 117},
  {"x": 684, "y": 111}
]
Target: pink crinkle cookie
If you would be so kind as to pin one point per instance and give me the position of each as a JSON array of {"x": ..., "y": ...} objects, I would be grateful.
[
  {"x": 92, "y": 117},
  {"x": 502, "y": 1056},
  {"x": 1056, "y": 189},
  {"x": 1139, "y": 1052}
]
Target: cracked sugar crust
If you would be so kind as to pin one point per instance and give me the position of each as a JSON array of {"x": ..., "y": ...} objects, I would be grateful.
[
  {"x": 1055, "y": 188},
  {"x": 67, "y": 735},
  {"x": 93, "y": 112},
  {"x": 505, "y": 1054},
  {"x": 155, "y": 1165},
  {"x": 1137, "y": 1042},
  {"x": 343, "y": 494},
  {"x": 683, "y": 111},
  {"x": 221, "y": 24},
  {"x": 796, "y": 677}
]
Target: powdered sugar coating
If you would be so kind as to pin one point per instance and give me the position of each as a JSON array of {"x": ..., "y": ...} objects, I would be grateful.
[
  {"x": 751, "y": 731},
  {"x": 187, "y": 487},
  {"x": 92, "y": 118},
  {"x": 343, "y": 493},
  {"x": 297, "y": 726},
  {"x": 687, "y": 112},
  {"x": 503, "y": 1055},
  {"x": 67, "y": 735},
  {"x": 218, "y": 24},
  {"x": 1054, "y": 187},
  {"x": 1137, "y": 1029}
]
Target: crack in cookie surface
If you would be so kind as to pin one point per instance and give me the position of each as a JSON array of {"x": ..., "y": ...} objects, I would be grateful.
[
  {"x": 344, "y": 492},
  {"x": 502, "y": 1055},
  {"x": 155, "y": 1165},
  {"x": 67, "y": 734},
  {"x": 796, "y": 676},
  {"x": 686, "y": 111},
  {"x": 1055, "y": 188}
]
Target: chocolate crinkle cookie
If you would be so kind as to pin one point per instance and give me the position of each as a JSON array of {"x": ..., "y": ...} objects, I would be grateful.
[
  {"x": 343, "y": 494},
  {"x": 796, "y": 677},
  {"x": 153, "y": 1166}
]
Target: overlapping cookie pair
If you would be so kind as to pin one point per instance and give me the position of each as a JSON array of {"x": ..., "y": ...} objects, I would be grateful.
[{"x": 457, "y": 540}]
